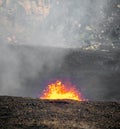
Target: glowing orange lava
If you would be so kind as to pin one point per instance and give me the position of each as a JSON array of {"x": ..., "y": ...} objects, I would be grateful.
[{"x": 58, "y": 90}]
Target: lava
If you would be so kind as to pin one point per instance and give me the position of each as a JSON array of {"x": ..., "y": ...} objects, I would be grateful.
[{"x": 59, "y": 90}]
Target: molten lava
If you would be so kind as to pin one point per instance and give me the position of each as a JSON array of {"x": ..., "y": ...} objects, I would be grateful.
[{"x": 58, "y": 90}]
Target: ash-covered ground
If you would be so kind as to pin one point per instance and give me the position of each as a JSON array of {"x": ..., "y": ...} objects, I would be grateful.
[{"x": 27, "y": 113}]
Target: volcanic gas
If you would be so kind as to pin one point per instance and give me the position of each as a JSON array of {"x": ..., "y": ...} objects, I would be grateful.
[{"x": 60, "y": 90}]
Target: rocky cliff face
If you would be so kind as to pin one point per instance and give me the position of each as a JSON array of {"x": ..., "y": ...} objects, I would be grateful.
[
  {"x": 39, "y": 8},
  {"x": 67, "y": 21},
  {"x": 18, "y": 17}
]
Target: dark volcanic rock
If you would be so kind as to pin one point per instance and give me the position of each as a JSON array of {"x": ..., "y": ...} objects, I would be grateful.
[{"x": 27, "y": 113}]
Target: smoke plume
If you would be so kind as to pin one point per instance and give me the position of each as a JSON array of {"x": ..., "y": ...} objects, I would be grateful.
[{"x": 37, "y": 38}]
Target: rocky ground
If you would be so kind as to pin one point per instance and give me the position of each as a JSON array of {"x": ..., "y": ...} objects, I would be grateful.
[{"x": 27, "y": 113}]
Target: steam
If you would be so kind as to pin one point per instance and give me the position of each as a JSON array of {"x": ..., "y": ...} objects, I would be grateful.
[{"x": 33, "y": 46}]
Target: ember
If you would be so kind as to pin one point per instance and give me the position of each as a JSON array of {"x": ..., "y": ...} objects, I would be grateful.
[{"x": 58, "y": 90}]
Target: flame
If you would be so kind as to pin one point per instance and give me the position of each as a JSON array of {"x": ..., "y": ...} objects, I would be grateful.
[{"x": 58, "y": 90}]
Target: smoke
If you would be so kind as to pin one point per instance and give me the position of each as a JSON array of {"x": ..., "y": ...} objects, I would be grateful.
[
  {"x": 34, "y": 42},
  {"x": 19, "y": 64},
  {"x": 21, "y": 34},
  {"x": 9, "y": 66}
]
